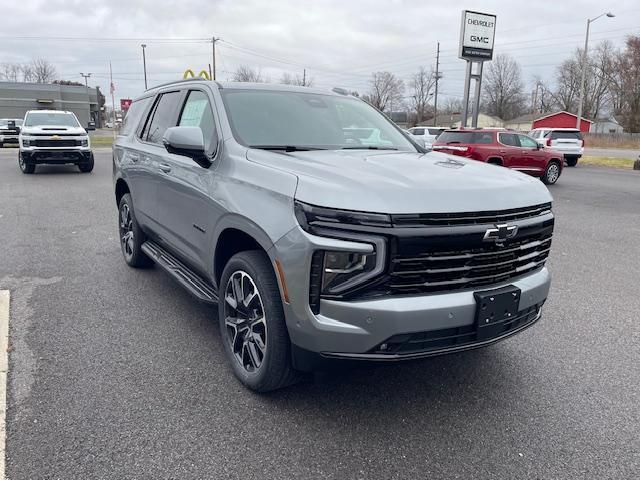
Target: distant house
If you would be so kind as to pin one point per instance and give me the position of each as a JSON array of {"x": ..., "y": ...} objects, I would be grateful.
[
  {"x": 562, "y": 120},
  {"x": 523, "y": 123},
  {"x": 453, "y": 120},
  {"x": 606, "y": 125}
]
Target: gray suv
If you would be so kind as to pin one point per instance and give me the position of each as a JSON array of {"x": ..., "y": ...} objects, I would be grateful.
[{"x": 318, "y": 246}]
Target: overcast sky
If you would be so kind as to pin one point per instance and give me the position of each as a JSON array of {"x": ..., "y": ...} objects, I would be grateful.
[{"x": 340, "y": 42}]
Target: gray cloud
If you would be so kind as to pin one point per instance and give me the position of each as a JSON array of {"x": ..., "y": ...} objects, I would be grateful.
[{"x": 339, "y": 42}]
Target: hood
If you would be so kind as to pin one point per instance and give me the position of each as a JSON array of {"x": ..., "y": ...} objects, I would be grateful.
[
  {"x": 403, "y": 182},
  {"x": 53, "y": 130}
]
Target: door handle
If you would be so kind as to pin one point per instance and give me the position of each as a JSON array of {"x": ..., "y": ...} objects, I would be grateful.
[{"x": 165, "y": 167}]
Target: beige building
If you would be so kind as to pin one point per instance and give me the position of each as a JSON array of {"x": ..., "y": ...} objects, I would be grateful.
[
  {"x": 523, "y": 123},
  {"x": 453, "y": 121}
]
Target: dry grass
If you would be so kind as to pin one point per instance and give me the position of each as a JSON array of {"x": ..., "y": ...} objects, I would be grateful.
[
  {"x": 612, "y": 141},
  {"x": 607, "y": 162},
  {"x": 102, "y": 141}
]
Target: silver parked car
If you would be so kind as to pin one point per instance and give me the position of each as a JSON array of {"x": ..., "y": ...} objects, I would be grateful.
[{"x": 321, "y": 231}]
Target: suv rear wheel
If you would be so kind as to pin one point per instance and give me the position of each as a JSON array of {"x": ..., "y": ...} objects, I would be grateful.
[
  {"x": 571, "y": 161},
  {"x": 24, "y": 166},
  {"x": 552, "y": 173},
  {"x": 252, "y": 324}
]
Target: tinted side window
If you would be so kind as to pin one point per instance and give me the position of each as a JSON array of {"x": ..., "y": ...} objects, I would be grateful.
[
  {"x": 164, "y": 116},
  {"x": 457, "y": 137},
  {"x": 418, "y": 131},
  {"x": 509, "y": 139},
  {"x": 197, "y": 112},
  {"x": 435, "y": 131},
  {"x": 132, "y": 118}
]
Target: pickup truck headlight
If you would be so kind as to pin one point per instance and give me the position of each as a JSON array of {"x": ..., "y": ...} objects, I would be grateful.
[
  {"x": 84, "y": 142},
  {"x": 26, "y": 142}
]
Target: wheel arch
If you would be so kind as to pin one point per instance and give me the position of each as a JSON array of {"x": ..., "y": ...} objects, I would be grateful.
[
  {"x": 494, "y": 160},
  {"x": 121, "y": 188}
]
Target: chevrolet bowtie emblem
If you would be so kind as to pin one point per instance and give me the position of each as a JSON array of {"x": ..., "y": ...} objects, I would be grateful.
[{"x": 500, "y": 233}]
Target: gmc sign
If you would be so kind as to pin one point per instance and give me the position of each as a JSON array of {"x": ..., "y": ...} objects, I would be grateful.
[{"x": 477, "y": 32}]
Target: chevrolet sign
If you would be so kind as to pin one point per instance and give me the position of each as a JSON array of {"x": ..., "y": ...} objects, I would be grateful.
[{"x": 477, "y": 33}]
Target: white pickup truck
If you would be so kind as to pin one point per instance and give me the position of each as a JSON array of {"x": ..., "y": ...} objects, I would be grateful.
[{"x": 53, "y": 137}]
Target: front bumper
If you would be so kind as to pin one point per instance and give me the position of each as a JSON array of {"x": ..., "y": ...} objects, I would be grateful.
[
  {"x": 354, "y": 329},
  {"x": 8, "y": 138},
  {"x": 58, "y": 156}
]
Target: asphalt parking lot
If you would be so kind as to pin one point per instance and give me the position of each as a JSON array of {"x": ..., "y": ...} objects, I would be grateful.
[{"x": 117, "y": 373}]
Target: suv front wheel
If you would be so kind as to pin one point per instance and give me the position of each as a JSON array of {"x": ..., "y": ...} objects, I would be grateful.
[{"x": 252, "y": 324}]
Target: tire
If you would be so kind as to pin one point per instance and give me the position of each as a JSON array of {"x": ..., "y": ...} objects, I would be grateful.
[
  {"x": 131, "y": 235},
  {"x": 87, "y": 167},
  {"x": 571, "y": 161},
  {"x": 1, "y": 145},
  {"x": 27, "y": 168},
  {"x": 551, "y": 173},
  {"x": 255, "y": 337}
]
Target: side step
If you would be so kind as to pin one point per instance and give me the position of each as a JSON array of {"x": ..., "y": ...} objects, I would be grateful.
[{"x": 194, "y": 283}]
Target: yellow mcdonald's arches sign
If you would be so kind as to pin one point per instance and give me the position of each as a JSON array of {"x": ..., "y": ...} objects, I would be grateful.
[{"x": 189, "y": 74}]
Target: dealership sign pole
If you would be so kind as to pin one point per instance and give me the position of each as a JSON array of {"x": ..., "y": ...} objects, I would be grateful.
[{"x": 477, "y": 33}]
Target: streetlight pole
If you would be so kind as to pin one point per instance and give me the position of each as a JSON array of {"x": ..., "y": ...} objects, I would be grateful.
[
  {"x": 584, "y": 65},
  {"x": 144, "y": 65},
  {"x": 86, "y": 84}
]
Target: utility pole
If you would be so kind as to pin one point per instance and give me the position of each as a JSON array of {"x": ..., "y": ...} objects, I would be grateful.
[
  {"x": 112, "y": 89},
  {"x": 144, "y": 64},
  {"x": 86, "y": 84},
  {"x": 304, "y": 77},
  {"x": 435, "y": 98},
  {"x": 213, "y": 55}
]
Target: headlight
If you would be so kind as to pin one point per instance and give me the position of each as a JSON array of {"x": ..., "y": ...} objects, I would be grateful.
[
  {"x": 84, "y": 142},
  {"x": 309, "y": 216},
  {"x": 336, "y": 273},
  {"x": 26, "y": 142}
]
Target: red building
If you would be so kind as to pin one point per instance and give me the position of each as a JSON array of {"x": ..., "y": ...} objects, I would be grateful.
[{"x": 562, "y": 120}]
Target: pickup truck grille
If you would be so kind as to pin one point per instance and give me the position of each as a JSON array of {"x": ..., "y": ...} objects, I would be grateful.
[
  {"x": 56, "y": 143},
  {"x": 439, "y": 269}
]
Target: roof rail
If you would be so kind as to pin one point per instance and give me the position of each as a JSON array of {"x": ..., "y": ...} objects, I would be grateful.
[{"x": 181, "y": 80}]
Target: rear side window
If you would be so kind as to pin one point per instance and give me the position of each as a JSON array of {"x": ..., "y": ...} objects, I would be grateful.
[
  {"x": 466, "y": 137},
  {"x": 527, "y": 142},
  {"x": 197, "y": 113},
  {"x": 132, "y": 118},
  {"x": 418, "y": 131},
  {"x": 435, "y": 131},
  {"x": 556, "y": 134},
  {"x": 510, "y": 139},
  {"x": 164, "y": 116}
]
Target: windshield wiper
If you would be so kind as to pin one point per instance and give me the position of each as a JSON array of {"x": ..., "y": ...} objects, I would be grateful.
[
  {"x": 286, "y": 148},
  {"x": 370, "y": 147}
]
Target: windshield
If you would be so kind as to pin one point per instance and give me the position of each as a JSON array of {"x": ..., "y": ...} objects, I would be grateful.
[
  {"x": 59, "y": 119},
  {"x": 264, "y": 118}
]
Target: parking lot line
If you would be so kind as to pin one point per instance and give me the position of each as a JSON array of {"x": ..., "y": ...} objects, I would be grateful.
[{"x": 4, "y": 367}]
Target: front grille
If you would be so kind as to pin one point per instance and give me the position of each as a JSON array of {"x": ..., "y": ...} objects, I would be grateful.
[
  {"x": 434, "y": 340},
  {"x": 56, "y": 143},
  {"x": 469, "y": 218},
  {"x": 415, "y": 269}
]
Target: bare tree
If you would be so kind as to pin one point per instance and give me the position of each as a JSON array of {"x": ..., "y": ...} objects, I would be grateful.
[
  {"x": 503, "y": 92},
  {"x": 450, "y": 106},
  {"x": 288, "y": 79},
  {"x": 245, "y": 73},
  {"x": 625, "y": 85},
  {"x": 386, "y": 91},
  {"x": 43, "y": 71},
  {"x": 422, "y": 84},
  {"x": 543, "y": 99},
  {"x": 10, "y": 72}
]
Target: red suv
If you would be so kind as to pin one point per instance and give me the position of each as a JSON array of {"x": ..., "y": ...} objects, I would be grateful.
[{"x": 503, "y": 147}]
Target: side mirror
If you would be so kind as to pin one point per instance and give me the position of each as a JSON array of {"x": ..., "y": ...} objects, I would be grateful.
[
  {"x": 91, "y": 126},
  {"x": 188, "y": 142}
]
